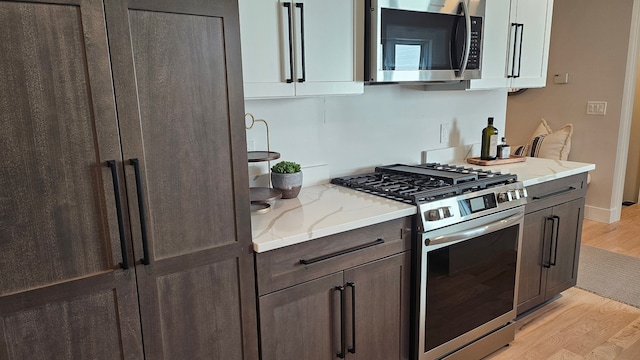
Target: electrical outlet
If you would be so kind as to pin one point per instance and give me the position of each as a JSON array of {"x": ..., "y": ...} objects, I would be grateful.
[
  {"x": 596, "y": 107},
  {"x": 444, "y": 133}
]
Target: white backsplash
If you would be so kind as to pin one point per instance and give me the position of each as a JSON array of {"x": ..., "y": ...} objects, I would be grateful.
[{"x": 388, "y": 124}]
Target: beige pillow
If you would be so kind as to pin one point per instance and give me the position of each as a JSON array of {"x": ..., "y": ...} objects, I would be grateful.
[{"x": 549, "y": 144}]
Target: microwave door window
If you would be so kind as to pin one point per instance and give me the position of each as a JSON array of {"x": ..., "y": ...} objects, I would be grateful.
[
  {"x": 414, "y": 40},
  {"x": 407, "y": 56}
]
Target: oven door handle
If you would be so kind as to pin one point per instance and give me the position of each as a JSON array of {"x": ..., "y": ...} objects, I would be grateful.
[{"x": 477, "y": 231}]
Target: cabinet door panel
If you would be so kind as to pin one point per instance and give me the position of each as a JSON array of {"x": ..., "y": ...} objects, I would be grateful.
[
  {"x": 495, "y": 46},
  {"x": 185, "y": 127},
  {"x": 177, "y": 74},
  {"x": 329, "y": 49},
  {"x": 382, "y": 308},
  {"x": 62, "y": 292},
  {"x": 302, "y": 322},
  {"x": 536, "y": 17},
  {"x": 563, "y": 274},
  {"x": 98, "y": 322},
  {"x": 532, "y": 280},
  {"x": 52, "y": 203},
  {"x": 265, "y": 48},
  {"x": 200, "y": 311}
]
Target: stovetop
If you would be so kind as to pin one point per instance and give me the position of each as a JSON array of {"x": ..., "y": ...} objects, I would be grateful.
[{"x": 418, "y": 184}]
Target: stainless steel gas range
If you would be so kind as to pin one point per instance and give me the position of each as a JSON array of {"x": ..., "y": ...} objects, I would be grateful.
[{"x": 466, "y": 256}]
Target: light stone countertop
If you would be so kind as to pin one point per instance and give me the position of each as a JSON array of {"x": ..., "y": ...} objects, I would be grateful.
[
  {"x": 536, "y": 170},
  {"x": 320, "y": 211},
  {"x": 329, "y": 209}
]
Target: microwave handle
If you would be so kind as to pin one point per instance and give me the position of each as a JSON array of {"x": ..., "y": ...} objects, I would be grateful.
[{"x": 467, "y": 18}]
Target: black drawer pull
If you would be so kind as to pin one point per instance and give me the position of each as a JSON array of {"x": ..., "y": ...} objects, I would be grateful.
[
  {"x": 143, "y": 221},
  {"x": 346, "y": 251},
  {"x": 343, "y": 339},
  {"x": 352, "y": 348},
  {"x": 119, "y": 213},
  {"x": 571, "y": 188}
]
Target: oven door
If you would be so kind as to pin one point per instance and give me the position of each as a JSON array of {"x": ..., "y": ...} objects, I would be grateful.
[{"x": 468, "y": 286}]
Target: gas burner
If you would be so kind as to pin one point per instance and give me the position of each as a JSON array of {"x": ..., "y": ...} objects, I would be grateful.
[{"x": 416, "y": 184}]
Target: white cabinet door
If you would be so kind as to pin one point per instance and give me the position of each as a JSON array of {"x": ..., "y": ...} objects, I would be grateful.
[
  {"x": 509, "y": 26},
  {"x": 303, "y": 48},
  {"x": 529, "y": 40},
  {"x": 495, "y": 46},
  {"x": 331, "y": 40},
  {"x": 265, "y": 58}
]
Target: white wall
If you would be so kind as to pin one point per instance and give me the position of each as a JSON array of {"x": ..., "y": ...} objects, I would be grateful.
[{"x": 388, "y": 124}]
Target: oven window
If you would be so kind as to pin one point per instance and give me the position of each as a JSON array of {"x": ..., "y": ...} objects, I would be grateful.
[
  {"x": 413, "y": 40},
  {"x": 469, "y": 284}
]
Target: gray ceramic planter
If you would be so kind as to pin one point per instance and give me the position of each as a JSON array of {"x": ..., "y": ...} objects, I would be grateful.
[{"x": 289, "y": 184}]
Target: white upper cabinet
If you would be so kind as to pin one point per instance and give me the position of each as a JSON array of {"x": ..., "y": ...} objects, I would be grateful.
[
  {"x": 516, "y": 44},
  {"x": 529, "y": 36},
  {"x": 302, "y": 48}
]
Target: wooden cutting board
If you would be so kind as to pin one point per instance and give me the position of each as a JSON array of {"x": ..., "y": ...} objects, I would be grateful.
[{"x": 510, "y": 160}]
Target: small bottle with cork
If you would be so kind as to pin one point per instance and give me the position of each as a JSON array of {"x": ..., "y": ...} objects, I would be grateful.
[{"x": 504, "y": 150}]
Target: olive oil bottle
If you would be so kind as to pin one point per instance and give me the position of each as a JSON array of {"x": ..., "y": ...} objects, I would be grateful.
[{"x": 489, "y": 148}]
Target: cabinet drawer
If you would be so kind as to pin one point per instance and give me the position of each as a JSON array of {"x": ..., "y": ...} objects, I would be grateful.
[
  {"x": 555, "y": 192},
  {"x": 280, "y": 268}
]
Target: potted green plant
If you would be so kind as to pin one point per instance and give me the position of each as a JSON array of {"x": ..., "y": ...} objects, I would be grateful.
[{"x": 286, "y": 176}]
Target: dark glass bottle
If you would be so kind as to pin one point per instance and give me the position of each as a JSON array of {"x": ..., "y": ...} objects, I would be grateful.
[{"x": 489, "y": 148}]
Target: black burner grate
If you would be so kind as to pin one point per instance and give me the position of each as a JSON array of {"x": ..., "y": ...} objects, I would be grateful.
[{"x": 423, "y": 183}]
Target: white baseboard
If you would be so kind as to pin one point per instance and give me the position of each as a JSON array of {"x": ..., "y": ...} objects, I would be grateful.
[{"x": 603, "y": 215}]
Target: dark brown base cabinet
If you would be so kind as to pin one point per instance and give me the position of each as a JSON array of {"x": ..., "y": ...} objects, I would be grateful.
[
  {"x": 354, "y": 306},
  {"x": 124, "y": 220},
  {"x": 551, "y": 240}
]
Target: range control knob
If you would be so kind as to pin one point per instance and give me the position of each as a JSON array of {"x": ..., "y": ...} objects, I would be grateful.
[
  {"x": 523, "y": 193},
  {"x": 438, "y": 214}
]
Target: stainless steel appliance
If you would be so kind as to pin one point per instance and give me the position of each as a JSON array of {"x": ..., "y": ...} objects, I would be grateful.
[
  {"x": 469, "y": 230},
  {"x": 423, "y": 40}
]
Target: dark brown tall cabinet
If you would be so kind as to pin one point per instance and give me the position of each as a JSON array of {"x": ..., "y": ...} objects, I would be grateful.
[{"x": 123, "y": 226}]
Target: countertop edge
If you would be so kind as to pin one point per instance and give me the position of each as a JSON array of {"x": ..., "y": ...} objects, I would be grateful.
[{"x": 303, "y": 237}]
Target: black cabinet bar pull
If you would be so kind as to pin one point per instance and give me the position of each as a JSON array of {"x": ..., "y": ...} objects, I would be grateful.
[
  {"x": 143, "y": 219},
  {"x": 545, "y": 263},
  {"x": 116, "y": 189},
  {"x": 304, "y": 71},
  {"x": 571, "y": 188},
  {"x": 343, "y": 340},
  {"x": 557, "y": 226},
  {"x": 342, "y": 252},
  {"x": 289, "y": 80},
  {"x": 352, "y": 348},
  {"x": 513, "y": 62},
  {"x": 520, "y": 53}
]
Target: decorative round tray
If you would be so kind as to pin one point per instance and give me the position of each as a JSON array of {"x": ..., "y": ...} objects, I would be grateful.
[
  {"x": 264, "y": 195},
  {"x": 259, "y": 156},
  {"x": 260, "y": 208}
]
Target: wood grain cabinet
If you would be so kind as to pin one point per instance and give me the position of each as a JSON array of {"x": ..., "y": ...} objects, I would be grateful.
[
  {"x": 351, "y": 300},
  {"x": 124, "y": 230},
  {"x": 551, "y": 240}
]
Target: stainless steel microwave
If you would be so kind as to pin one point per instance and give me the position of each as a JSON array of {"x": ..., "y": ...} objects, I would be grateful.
[{"x": 414, "y": 41}]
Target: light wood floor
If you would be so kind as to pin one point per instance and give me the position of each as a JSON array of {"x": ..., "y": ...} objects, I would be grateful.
[{"x": 582, "y": 325}]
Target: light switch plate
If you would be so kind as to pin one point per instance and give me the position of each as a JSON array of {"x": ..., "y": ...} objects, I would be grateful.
[{"x": 596, "y": 107}]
